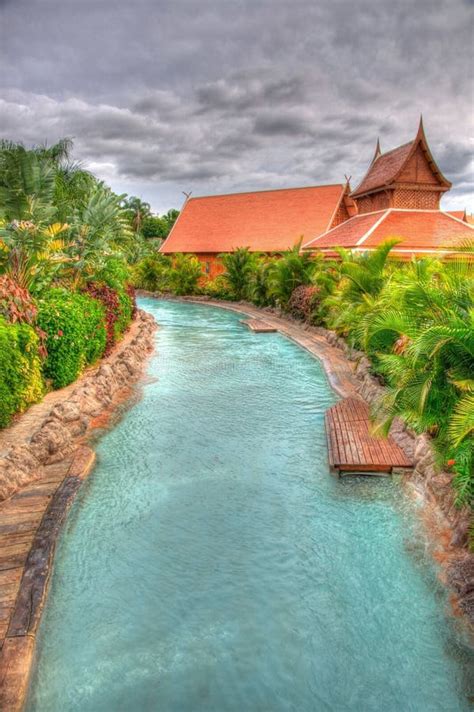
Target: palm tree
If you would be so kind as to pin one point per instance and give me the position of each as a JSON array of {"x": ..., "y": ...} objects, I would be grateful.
[
  {"x": 419, "y": 334},
  {"x": 137, "y": 211},
  {"x": 239, "y": 266},
  {"x": 362, "y": 278},
  {"x": 32, "y": 243},
  {"x": 292, "y": 269},
  {"x": 98, "y": 228}
]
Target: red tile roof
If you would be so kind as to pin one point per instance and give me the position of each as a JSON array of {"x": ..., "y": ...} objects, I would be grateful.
[
  {"x": 417, "y": 230},
  {"x": 265, "y": 221},
  {"x": 462, "y": 215},
  {"x": 384, "y": 169}
]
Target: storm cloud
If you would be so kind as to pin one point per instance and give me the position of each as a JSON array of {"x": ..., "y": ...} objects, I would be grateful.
[{"x": 218, "y": 96}]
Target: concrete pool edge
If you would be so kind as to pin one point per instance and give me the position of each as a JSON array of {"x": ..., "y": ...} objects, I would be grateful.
[{"x": 31, "y": 520}]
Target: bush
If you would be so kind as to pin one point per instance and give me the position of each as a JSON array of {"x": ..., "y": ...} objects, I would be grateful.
[
  {"x": 118, "y": 310},
  {"x": 239, "y": 266},
  {"x": 16, "y": 303},
  {"x": 218, "y": 288},
  {"x": 76, "y": 333},
  {"x": 303, "y": 302},
  {"x": 124, "y": 315},
  {"x": 185, "y": 275},
  {"x": 152, "y": 273},
  {"x": 21, "y": 382}
]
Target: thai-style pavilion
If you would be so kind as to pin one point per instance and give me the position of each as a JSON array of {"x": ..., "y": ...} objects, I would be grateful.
[
  {"x": 264, "y": 221},
  {"x": 399, "y": 197}
]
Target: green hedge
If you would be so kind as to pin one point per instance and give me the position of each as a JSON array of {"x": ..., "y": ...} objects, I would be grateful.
[
  {"x": 21, "y": 382},
  {"x": 76, "y": 333}
]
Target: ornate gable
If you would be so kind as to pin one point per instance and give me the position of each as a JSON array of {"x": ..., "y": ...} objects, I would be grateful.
[{"x": 405, "y": 177}]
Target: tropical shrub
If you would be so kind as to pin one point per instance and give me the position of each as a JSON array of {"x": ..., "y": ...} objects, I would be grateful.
[
  {"x": 76, "y": 333},
  {"x": 303, "y": 302},
  {"x": 110, "y": 287},
  {"x": 109, "y": 299},
  {"x": 185, "y": 275},
  {"x": 289, "y": 271},
  {"x": 21, "y": 381},
  {"x": 16, "y": 303},
  {"x": 152, "y": 273},
  {"x": 217, "y": 288},
  {"x": 419, "y": 334},
  {"x": 259, "y": 286},
  {"x": 239, "y": 266}
]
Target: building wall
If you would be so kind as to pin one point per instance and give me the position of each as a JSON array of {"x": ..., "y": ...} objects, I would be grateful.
[
  {"x": 212, "y": 266},
  {"x": 408, "y": 197},
  {"x": 375, "y": 201},
  {"x": 341, "y": 215},
  {"x": 418, "y": 170},
  {"x": 416, "y": 199}
]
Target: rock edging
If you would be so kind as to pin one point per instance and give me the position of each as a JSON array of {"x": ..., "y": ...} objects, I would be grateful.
[{"x": 67, "y": 421}]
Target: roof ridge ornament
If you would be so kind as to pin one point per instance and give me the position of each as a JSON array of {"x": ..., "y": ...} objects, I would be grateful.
[
  {"x": 421, "y": 128},
  {"x": 378, "y": 151}
]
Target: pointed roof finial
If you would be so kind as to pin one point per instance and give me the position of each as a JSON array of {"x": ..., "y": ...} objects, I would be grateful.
[
  {"x": 421, "y": 128},
  {"x": 378, "y": 152}
]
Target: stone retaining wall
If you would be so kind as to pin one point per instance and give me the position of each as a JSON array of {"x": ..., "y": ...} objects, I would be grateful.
[{"x": 57, "y": 434}]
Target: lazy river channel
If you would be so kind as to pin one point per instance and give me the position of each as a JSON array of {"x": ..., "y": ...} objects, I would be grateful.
[{"x": 212, "y": 564}]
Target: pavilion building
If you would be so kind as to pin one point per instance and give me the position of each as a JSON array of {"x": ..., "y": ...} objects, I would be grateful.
[
  {"x": 399, "y": 197},
  {"x": 265, "y": 221}
]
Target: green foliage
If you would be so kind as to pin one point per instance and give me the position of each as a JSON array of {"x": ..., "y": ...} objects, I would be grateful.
[
  {"x": 21, "y": 381},
  {"x": 291, "y": 270},
  {"x": 27, "y": 181},
  {"x": 239, "y": 266},
  {"x": 259, "y": 286},
  {"x": 154, "y": 226},
  {"x": 98, "y": 230},
  {"x": 218, "y": 288},
  {"x": 152, "y": 273},
  {"x": 76, "y": 333},
  {"x": 185, "y": 274}
]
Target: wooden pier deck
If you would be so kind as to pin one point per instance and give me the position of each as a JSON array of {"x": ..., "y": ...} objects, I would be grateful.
[
  {"x": 259, "y": 326},
  {"x": 352, "y": 448}
]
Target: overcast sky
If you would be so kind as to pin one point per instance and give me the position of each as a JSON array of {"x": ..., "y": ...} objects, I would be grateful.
[{"x": 215, "y": 96}]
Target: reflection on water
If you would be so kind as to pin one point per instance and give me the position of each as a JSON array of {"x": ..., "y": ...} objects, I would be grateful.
[{"x": 211, "y": 562}]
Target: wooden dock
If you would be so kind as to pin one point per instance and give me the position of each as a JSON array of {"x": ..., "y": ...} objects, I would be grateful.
[
  {"x": 352, "y": 448},
  {"x": 259, "y": 326}
]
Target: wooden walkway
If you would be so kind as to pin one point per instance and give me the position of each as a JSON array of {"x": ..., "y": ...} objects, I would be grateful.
[
  {"x": 259, "y": 326},
  {"x": 352, "y": 448}
]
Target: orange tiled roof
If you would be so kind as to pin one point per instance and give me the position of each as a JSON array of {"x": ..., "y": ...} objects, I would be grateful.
[
  {"x": 462, "y": 215},
  {"x": 384, "y": 169},
  {"x": 418, "y": 231},
  {"x": 265, "y": 221}
]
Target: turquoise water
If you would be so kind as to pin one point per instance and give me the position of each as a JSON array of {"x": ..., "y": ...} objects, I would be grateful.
[{"x": 211, "y": 563}]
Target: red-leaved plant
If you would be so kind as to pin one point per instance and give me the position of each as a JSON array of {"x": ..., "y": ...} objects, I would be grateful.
[
  {"x": 109, "y": 298},
  {"x": 17, "y": 305}
]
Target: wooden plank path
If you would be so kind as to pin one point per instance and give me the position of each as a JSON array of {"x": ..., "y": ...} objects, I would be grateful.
[
  {"x": 259, "y": 326},
  {"x": 30, "y": 522},
  {"x": 352, "y": 448}
]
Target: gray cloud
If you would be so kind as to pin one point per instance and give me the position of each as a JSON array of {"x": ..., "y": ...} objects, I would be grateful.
[{"x": 161, "y": 98}]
